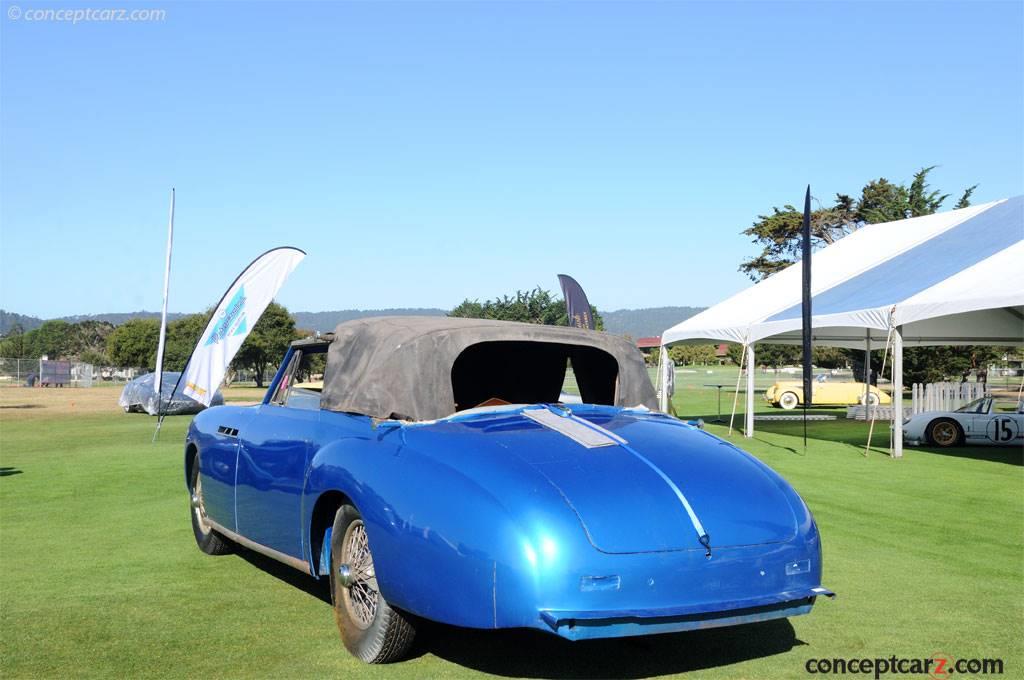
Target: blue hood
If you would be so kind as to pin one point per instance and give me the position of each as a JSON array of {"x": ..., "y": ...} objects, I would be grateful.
[{"x": 623, "y": 494}]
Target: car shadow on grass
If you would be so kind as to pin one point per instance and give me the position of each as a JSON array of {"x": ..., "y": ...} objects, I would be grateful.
[
  {"x": 534, "y": 654},
  {"x": 1010, "y": 455},
  {"x": 318, "y": 588}
]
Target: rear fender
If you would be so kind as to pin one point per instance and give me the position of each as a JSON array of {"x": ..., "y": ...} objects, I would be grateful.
[{"x": 439, "y": 539}]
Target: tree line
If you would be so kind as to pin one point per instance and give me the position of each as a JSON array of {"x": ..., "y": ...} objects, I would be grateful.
[
  {"x": 538, "y": 306},
  {"x": 134, "y": 343}
]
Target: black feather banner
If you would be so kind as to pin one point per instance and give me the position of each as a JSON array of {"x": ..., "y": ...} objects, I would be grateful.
[{"x": 576, "y": 303}]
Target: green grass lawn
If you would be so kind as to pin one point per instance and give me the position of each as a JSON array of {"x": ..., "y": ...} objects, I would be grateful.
[{"x": 100, "y": 577}]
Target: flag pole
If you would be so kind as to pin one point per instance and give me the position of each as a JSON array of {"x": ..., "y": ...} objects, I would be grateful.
[
  {"x": 805, "y": 307},
  {"x": 161, "y": 343}
]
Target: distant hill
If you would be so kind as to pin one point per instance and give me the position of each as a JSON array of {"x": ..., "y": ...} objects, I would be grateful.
[
  {"x": 636, "y": 323},
  {"x": 326, "y": 321},
  {"x": 9, "y": 320},
  {"x": 642, "y": 323},
  {"x": 118, "y": 318}
]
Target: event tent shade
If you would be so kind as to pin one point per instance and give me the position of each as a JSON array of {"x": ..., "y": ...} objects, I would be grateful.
[
  {"x": 929, "y": 267},
  {"x": 945, "y": 279}
]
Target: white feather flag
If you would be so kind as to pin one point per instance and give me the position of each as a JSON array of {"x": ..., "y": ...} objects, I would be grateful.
[{"x": 238, "y": 311}]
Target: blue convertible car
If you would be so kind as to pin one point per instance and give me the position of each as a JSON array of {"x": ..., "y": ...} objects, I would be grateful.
[{"x": 434, "y": 474}]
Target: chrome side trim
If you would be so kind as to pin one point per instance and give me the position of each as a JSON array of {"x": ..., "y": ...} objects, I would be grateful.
[{"x": 292, "y": 562}]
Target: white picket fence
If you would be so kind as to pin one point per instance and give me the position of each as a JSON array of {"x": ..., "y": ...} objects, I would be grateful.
[{"x": 944, "y": 396}]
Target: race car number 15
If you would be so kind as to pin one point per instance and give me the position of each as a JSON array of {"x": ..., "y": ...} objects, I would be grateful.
[{"x": 1001, "y": 429}]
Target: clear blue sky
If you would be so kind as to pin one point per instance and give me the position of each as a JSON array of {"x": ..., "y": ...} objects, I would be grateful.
[{"x": 424, "y": 153}]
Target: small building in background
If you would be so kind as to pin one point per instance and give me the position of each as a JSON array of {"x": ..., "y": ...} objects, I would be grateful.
[
  {"x": 722, "y": 353},
  {"x": 645, "y": 345}
]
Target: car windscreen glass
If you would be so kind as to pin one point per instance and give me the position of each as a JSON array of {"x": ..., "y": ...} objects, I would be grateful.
[
  {"x": 521, "y": 372},
  {"x": 303, "y": 398},
  {"x": 281, "y": 394},
  {"x": 976, "y": 406},
  {"x": 302, "y": 381}
]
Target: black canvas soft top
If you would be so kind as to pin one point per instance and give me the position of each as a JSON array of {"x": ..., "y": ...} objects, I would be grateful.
[{"x": 404, "y": 367}]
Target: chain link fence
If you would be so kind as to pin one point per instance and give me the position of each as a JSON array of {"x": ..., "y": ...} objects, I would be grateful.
[
  {"x": 22, "y": 372},
  {"x": 16, "y": 371},
  {"x": 27, "y": 373}
]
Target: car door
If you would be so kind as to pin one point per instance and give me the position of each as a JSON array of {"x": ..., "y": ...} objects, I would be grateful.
[
  {"x": 823, "y": 391},
  {"x": 975, "y": 421},
  {"x": 997, "y": 426},
  {"x": 273, "y": 454},
  {"x": 217, "y": 462}
]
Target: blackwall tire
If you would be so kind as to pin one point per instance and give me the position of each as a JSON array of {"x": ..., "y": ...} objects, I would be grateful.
[
  {"x": 207, "y": 538},
  {"x": 789, "y": 401},
  {"x": 370, "y": 628}
]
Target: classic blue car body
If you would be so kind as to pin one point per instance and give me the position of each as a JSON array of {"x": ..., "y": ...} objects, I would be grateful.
[{"x": 488, "y": 519}]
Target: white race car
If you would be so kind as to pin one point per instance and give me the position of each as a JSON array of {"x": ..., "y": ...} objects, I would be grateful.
[{"x": 986, "y": 421}]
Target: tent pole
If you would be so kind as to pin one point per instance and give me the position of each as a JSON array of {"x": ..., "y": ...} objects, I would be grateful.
[
  {"x": 867, "y": 371},
  {"x": 897, "y": 392},
  {"x": 663, "y": 395},
  {"x": 736, "y": 393},
  {"x": 749, "y": 430}
]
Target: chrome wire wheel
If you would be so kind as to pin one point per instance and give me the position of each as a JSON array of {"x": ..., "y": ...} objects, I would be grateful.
[
  {"x": 207, "y": 538},
  {"x": 370, "y": 627},
  {"x": 198, "y": 509},
  {"x": 360, "y": 593},
  {"x": 944, "y": 433}
]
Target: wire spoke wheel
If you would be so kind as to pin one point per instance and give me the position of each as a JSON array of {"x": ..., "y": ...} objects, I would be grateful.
[
  {"x": 198, "y": 507},
  {"x": 361, "y": 594},
  {"x": 207, "y": 538},
  {"x": 370, "y": 627}
]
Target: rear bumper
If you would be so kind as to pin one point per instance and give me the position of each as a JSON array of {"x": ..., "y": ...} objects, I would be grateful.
[{"x": 583, "y": 625}]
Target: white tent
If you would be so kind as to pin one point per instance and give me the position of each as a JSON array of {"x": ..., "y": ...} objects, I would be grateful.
[{"x": 953, "y": 278}]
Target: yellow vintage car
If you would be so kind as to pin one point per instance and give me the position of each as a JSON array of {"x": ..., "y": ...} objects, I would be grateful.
[{"x": 790, "y": 394}]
